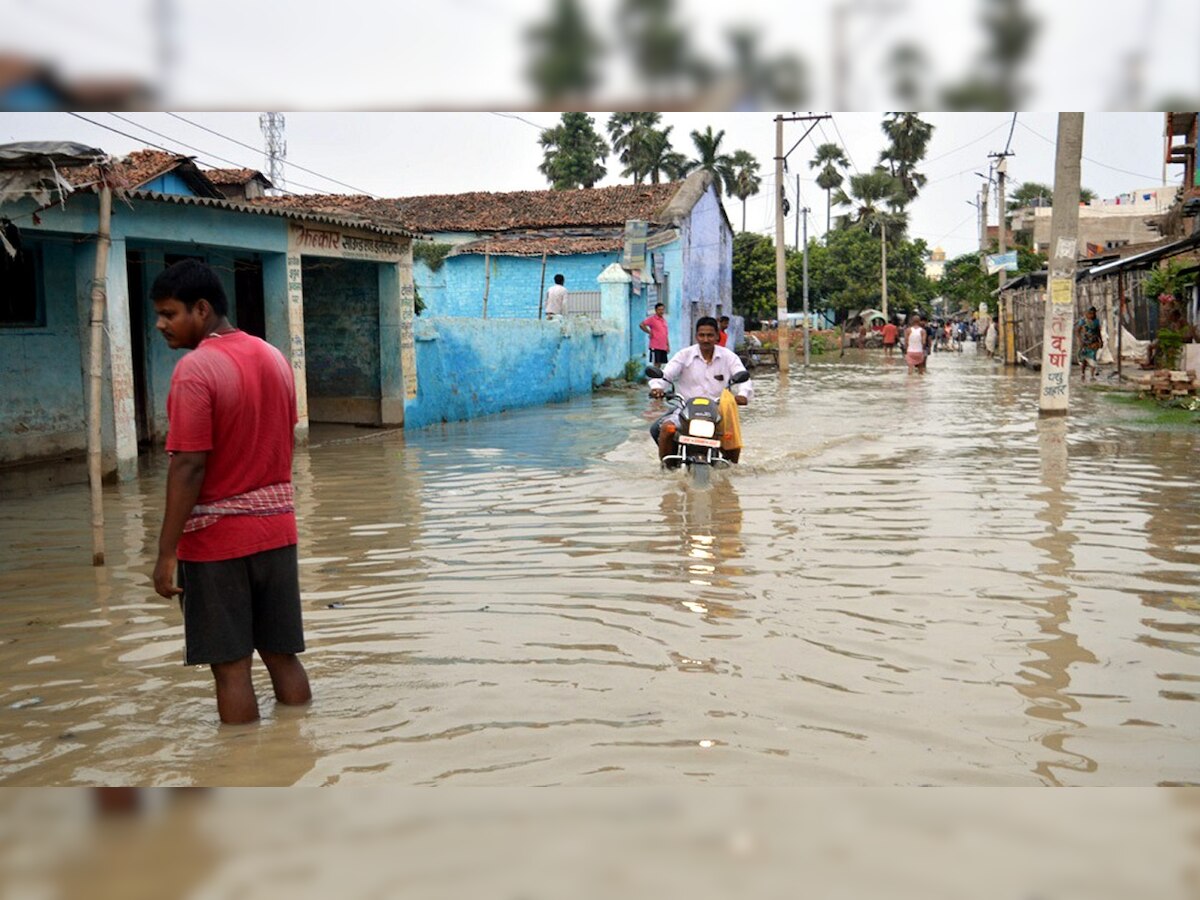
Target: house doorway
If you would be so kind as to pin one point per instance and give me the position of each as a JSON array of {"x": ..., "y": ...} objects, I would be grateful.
[{"x": 248, "y": 297}]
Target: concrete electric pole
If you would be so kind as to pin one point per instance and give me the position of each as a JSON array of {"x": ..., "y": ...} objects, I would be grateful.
[
  {"x": 1059, "y": 327},
  {"x": 780, "y": 248},
  {"x": 1006, "y": 317},
  {"x": 804, "y": 217}
]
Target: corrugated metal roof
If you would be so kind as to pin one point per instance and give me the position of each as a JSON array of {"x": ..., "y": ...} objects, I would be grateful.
[{"x": 1147, "y": 257}]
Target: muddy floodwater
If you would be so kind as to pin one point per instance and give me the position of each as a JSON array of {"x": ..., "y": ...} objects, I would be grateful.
[{"x": 908, "y": 581}]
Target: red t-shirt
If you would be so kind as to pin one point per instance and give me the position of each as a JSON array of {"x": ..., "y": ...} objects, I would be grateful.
[
  {"x": 723, "y": 339},
  {"x": 234, "y": 396},
  {"x": 658, "y": 333},
  {"x": 889, "y": 333}
]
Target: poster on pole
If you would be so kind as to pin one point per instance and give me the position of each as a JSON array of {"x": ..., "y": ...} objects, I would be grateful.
[{"x": 634, "y": 257}]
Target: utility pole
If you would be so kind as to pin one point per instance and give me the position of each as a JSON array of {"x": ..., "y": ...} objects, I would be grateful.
[
  {"x": 883, "y": 266},
  {"x": 796, "y": 246},
  {"x": 781, "y": 321},
  {"x": 1058, "y": 331},
  {"x": 804, "y": 217},
  {"x": 272, "y": 125},
  {"x": 1007, "y": 333},
  {"x": 780, "y": 249}
]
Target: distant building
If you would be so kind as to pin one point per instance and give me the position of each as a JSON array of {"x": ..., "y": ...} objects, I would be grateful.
[
  {"x": 239, "y": 184},
  {"x": 1136, "y": 217},
  {"x": 935, "y": 266}
]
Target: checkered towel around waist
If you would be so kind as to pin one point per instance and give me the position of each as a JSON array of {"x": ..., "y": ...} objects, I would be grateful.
[{"x": 271, "y": 500}]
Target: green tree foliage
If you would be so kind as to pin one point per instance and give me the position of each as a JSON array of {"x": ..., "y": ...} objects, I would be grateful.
[
  {"x": 746, "y": 180},
  {"x": 711, "y": 159},
  {"x": 573, "y": 153},
  {"x": 564, "y": 53},
  {"x": 844, "y": 273},
  {"x": 965, "y": 284},
  {"x": 781, "y": 81},
  {"x": 831, "y": 160},
  {"x": 873, "y": 197},
  {"x": 658, "y": 44},
  {"x": 909, "y": 137},
  {"x": 994, "y": 83},
  {"x": 753, "y": 275},
  {"x": 630, "y": 133}
]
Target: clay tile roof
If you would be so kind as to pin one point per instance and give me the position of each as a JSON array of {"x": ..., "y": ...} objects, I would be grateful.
[
  {"x": 233, "y": 176},
  {"x": 481, "y": 211},
  {"x": 537, "y": 244},
  {"x": 133, "y": 171}
]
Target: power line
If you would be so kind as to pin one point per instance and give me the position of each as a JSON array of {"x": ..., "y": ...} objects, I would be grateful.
[
  {"x": 966, "y": 145},
  {"x": 519, "y": 119},
  {"x": 142, "y": 140},
  {"x": 259, "y": 150},
  {"x": 1097, "y": 162},
  {"x": 1011, "y": 129},
  {"x": 845, "y": 149}
]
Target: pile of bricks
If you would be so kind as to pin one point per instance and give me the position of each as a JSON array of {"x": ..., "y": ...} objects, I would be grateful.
[{"x": 1164, "y": 384}]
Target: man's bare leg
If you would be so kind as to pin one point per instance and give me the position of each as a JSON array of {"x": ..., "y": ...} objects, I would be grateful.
[
  {"x": 288, "y": 678},
  {"x": 666, "y": 441},
  {"x": 236, "y": 702}
]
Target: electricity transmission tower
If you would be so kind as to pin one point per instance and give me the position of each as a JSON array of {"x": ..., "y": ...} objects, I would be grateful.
[{"x": 272, "y": 125}]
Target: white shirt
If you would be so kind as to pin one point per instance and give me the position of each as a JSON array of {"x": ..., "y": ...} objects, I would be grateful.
[
  {"x": 556, "y": 299},
  {"x": 694, "y": 377},
  {"x": 916, "y": 338}
]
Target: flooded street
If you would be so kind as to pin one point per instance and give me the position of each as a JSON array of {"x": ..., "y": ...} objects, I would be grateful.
[{"x": 908, "y": 581}]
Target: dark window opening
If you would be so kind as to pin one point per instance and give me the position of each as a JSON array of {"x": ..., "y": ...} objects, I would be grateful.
[{"x": 21, "y": 303}]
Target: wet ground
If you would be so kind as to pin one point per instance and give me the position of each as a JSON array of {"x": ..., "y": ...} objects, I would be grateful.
[{"x": 908, "y": 581}]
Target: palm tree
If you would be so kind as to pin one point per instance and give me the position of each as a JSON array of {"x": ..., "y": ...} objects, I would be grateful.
[
  {"x": 875, "y": 198},
  {"x": 565, "y": 53},
  {"x": 573, "y": 153},
  {"x": 662, "y": 161},
  {"x": 712, "y": 160},
  {"x": 746, "y": 180},
  {"x": 829, "y": 158},
  {"x": 629, "y": 133},
  {"x": 909, "y": 136}
]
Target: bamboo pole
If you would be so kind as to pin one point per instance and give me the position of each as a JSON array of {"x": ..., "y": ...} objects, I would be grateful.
[
  {"x": 487, "y": 276},
  {"x": 542, "y": 287},
  {"x": 96, "y": 370},
  {"x": 1120, "y": 319}
]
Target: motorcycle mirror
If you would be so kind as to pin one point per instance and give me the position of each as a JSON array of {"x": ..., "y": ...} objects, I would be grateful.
[
  {"x": 739, "y": 377},
  {"x": 653, "y": 372}
]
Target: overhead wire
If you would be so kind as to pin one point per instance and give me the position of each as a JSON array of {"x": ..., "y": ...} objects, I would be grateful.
[
  {"x": 143, "y": 140},
  {"x": 289, "y": 162},
  {"x": 1154, "y": 178}
]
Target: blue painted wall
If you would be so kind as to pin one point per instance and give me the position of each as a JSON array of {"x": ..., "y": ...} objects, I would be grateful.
[
  {"x": 456, "y": 289},
  {"x": 170, "y": 183},
  {"x": 468, "y": 368},
  {"x": 41, "y": 368}
]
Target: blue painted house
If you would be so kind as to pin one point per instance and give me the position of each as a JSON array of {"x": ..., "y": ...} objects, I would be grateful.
[
  {"x": 482, "y": 344},
  {"x": 333, "y": 293}
]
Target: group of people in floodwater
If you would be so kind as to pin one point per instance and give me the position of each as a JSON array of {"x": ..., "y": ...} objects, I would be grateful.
[{"x": 921, "y": 337}]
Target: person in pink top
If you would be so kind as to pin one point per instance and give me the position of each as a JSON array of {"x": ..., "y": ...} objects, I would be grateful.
[
  {"x": 656, "y": 327},
  {"x": 229, "y": 529}
]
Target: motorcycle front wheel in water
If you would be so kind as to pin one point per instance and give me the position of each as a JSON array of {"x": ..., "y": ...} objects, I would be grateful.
[{"x": 701, "y": 474}]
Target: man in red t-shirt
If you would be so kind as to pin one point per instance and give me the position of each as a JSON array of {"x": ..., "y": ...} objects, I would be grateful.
[
  {"x": 723, "y": 337},
  {"x": 890, "y": 332},
  {"x": 656, "y": 327},
  {"x": 230, "y": 522}
]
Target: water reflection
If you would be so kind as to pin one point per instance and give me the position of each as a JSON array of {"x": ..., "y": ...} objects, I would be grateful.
[
  {"x": 1046, "y": 681},
  {"x": 906, "y": 581},
  {"x": 708, "y": 526}
]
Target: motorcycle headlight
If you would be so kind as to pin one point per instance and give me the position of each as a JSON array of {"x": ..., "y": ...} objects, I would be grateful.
[{"x": 701, "y": 428}]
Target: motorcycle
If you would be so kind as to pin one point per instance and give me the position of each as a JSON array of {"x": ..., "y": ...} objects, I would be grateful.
[{"x": 698, "y": 440}]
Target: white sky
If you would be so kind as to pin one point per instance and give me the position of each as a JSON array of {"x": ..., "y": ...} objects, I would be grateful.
[
  {"x": 391, "y": 54},
  {"x": 402, "y": 154}
]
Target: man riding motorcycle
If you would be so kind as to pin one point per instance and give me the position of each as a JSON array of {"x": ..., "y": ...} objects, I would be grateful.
[{"x": 701, "y": 370}]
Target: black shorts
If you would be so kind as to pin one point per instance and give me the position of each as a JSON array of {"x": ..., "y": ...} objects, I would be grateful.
[
  {"x": 658, "y": 357},
  {"x": 236, "y": 606}
]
